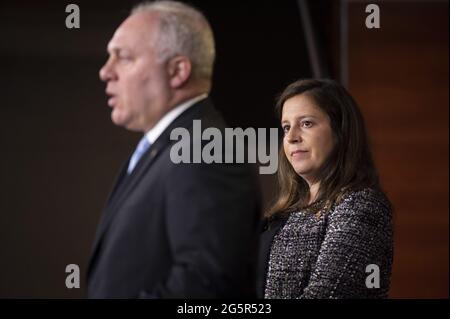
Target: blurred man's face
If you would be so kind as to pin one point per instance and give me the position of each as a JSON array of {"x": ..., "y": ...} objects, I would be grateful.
[{"x": 137, "y": 83}]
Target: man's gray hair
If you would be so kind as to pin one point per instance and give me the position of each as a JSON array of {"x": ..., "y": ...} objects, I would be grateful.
[{"x": 183, "y": 30}]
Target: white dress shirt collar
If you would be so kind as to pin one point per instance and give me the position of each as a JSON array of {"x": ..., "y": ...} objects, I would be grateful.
[{"x": 167, "y": 119}]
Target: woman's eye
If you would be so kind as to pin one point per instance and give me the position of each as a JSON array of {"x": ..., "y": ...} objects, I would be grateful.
[
  {"x": 286, "y": 129},
  {"x": 307, "y": 124}
]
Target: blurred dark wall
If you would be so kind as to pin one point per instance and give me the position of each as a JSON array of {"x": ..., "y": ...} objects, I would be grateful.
[{"x": 399, "y": 75}]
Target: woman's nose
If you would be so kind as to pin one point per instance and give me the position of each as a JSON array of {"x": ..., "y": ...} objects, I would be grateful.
[{"x": 293, "y": 136}]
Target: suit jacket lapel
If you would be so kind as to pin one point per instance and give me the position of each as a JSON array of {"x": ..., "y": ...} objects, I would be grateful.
[
  {"x": 120, "y": 191},
  {"x": 119, "y": 181}
]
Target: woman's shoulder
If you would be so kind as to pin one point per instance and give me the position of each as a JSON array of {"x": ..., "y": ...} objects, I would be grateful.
[
  {"x": 364, "y": 201},
  {"x": 366, "y": 194}
]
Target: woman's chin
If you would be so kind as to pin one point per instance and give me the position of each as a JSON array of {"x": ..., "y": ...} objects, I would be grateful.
[{"x": 300, "y": 169}]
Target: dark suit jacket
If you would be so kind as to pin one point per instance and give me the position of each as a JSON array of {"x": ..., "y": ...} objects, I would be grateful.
[
  {"x": 268, "y": 232},
  {"x": 178, "y": 230}
]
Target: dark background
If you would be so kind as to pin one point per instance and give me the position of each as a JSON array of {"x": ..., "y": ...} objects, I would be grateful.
[{"x": 60, "y": 152}]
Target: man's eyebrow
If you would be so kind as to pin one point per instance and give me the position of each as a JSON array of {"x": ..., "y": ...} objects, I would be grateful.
[
  {"x": 110, "y": 49},
  {"x": 114, "y": 48}
]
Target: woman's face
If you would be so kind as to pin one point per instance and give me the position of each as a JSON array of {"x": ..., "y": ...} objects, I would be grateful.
[{"x": 308, "y": 137}]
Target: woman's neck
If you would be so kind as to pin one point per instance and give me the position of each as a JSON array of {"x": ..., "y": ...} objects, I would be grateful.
[{"x": 313, "y": 192}]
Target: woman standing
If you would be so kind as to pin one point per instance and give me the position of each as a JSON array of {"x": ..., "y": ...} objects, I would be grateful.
[{"x": 329, "y": 232}]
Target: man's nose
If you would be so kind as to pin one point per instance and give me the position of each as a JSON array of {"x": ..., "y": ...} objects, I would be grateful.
[{"x": 106, "y": 73}]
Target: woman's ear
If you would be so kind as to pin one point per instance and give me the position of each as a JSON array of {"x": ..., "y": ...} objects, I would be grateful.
[{"x": 179, "y": 68}]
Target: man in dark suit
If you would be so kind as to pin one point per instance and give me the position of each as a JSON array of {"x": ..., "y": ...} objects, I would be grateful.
[{"x": 171, "y": 230}]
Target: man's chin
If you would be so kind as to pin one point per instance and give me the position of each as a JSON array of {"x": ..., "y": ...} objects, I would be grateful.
[
  {"x": 118, "y": 120},
  {"x": 125, "y": 124}
]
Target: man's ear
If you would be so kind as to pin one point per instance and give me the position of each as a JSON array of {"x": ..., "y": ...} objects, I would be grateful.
[{"x": 179, "y": 68}]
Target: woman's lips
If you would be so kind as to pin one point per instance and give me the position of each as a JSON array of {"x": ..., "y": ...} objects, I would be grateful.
[{"x": 298, "y": 154}]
